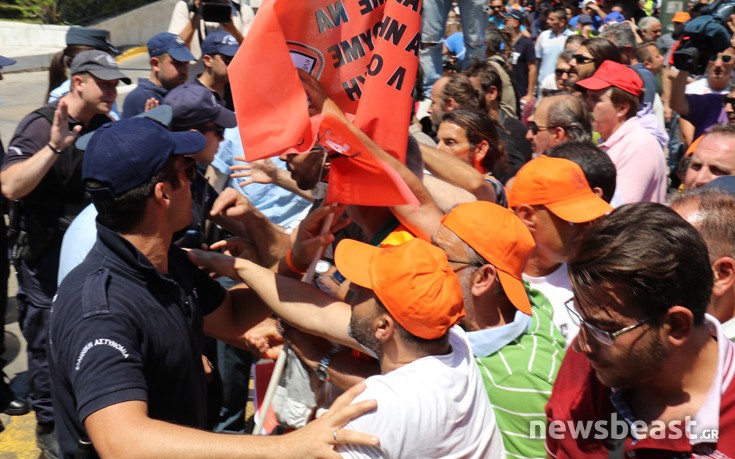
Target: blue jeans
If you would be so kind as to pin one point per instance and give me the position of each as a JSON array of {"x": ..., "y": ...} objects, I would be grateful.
[{"x": 433, "y": 24}]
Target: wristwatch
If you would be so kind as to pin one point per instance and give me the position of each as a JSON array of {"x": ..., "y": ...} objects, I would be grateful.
[{"x": 322, "y": 369}]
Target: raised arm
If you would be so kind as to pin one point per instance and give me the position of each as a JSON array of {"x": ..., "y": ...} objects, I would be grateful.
[{"x": 457, "y": 172}]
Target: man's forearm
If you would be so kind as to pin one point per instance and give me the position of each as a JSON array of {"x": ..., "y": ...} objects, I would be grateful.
[{"x": 22, "y": 178}]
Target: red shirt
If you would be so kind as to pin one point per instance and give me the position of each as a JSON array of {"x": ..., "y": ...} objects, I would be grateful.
[{"x": 579, "y": 399}]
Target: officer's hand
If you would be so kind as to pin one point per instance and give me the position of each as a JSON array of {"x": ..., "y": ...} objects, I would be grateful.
[
  {"x": 264, "y": 339},
  {"x": 61, "y": 137},
  {"x": 214, "y": 263},
  {"x": 317, "y": 439}
]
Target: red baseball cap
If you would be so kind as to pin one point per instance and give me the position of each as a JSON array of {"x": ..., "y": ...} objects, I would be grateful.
[
  {"x": 501, "y": 239},
  {"x": 613, "y": 74},
  {"x": 413, "y": 281},
  {"x": 560, "y": 185}
]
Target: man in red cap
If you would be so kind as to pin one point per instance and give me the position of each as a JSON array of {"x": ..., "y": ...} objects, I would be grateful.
[
  {"x": 553, "y": 199},
  {"x": 406, "y": 301},
  {"x": 613, "y": 95}
]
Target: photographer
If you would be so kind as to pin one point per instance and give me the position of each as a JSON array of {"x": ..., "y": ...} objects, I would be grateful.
[{"x": 192, "y": 20}]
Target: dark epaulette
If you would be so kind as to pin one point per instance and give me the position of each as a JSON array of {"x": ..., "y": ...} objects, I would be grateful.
[{"x": 94, "y": 295}]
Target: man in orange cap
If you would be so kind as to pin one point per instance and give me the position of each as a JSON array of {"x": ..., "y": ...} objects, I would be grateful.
[
  {"x": 553, "y": 199},
  {"x": 406, "y": 301},
  {"x": 514, "y": 341},
  {"x": 613, "y": 95}
]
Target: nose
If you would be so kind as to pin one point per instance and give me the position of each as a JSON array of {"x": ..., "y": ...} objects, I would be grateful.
[
  {"x": 284, "y": 157},
  {"x": 529, "y": 135}
]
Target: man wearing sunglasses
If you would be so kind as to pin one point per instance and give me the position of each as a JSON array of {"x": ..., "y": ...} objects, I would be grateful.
[
  {"x": 700, "y": 102},
  {"x": 126, "y": 348},
  {"x": 557, "y": 120},
  {"x": 218, "y": 49},
  {"x": 650, "y": 371},
  {"x": 169, "y": 61}
]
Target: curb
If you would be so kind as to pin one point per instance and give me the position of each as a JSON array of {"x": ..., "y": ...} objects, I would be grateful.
[{"x": 131, "y": 52}]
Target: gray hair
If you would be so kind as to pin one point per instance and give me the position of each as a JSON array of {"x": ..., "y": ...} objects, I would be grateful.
[
  {"x": 570, "y": 113},
  {"x": 620, "y": 34},
  {"x": 647, "y": 22}
]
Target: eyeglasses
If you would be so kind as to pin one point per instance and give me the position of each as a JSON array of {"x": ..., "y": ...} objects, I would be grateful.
[
  {"x": 582, "y": 59},
  {"x": 728, "y": 100},
  {"x": 725, "y": 58},
  {"x": 560, "y": 72},
  {"x": 601, "y": 336},
  {"x": 535, "y": 128},
  {"x": 218, "y": 131},
  {"x": 496, "y": 7}
]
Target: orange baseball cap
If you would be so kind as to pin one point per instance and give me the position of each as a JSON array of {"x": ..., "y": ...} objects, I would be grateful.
[
  {"x": 614, "y": 74},
  {"x": 559, "y": 185},
  {"x": 500, "y": 238},
  {"x": 681, "y": 16},
  {"x": 413, "y": 281}
]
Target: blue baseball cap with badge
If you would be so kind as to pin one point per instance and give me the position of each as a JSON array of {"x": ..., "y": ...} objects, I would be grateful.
[
  {"x": 195, "y": 105},
  {"x": 220, "y": 42},
  {"x": 171, "y": 44},
  {"x": 125, "y": 154},
  {"x": 516, "y": 14},
  {"x": 96, "y": 38}
]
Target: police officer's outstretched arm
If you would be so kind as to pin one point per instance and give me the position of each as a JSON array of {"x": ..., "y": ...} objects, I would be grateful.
[
  {"x": 23, "y": 177},
  {"x": 125, "y": 430}
]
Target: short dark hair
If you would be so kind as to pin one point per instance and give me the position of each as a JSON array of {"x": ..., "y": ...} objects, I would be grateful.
[
  {"x": 574, "y": 38},
  {"x": 619, "y": 97},
  {"x": 643, "y": 51},
  {"x": 601, "y": 50},
  {"x": 122, "y": 213},
  {"x": 409, "y": 338},
  {"x": 478, "y": 126},
  {"x": 597, "y": 166},
  {"x": 488, "y": 77},
  {"x": 460, "y": 88},
  {"x": 647, "y": 254},
  {"x": 560, "y": 12}
]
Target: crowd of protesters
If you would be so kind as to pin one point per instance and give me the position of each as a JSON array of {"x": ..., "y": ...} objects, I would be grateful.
[{"x": 569, "y": 265}]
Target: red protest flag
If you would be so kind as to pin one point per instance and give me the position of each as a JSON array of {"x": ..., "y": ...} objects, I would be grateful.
[
  {"x": 363, "y": 52},
  {"x": 356, "y": 176}
]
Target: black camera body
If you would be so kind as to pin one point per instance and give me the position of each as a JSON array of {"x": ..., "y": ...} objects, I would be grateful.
[
  {"x": 703, "y": 36},
  {"x": 212, "y": 10}
]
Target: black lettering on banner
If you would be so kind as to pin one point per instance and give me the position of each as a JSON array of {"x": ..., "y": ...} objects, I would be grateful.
[
  {"x": 336, "y": 15},
  {"x": 352, "y": 49},
  {"x": 353, "y": 88},
  {"x": 414, "y": 46},
  {"x": 367, "y": 6},
  {"x": 413, "y": 4},
  {"x": 394, "y": 32},
  {"x": 367, "y": 38},
  {"x": 377, "y": 60},
  {"x": 396, "y": 80},
  {"x": 336, "y": 54}
]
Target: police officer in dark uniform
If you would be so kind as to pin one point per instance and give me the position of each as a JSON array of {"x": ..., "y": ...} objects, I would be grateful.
[
  {"x": 9, "y": 401},
  {"x": 42, "y": 172}
]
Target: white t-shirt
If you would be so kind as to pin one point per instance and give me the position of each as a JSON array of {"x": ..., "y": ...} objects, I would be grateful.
[
  {"x": 434, "y": 407},
  {"x": 557, "y": 289}
]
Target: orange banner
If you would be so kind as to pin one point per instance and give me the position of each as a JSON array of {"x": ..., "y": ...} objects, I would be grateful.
[{"x": 364, "y": 53}]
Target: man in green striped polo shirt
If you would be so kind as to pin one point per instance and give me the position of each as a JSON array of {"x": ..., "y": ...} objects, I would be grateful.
[{"x": 515, "y": 343}]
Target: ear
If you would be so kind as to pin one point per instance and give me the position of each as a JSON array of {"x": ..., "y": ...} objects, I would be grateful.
[
  {"x": 155, "y": 64},
  {"x": 479, "y": 154},
  {"x": 724, "y": 270},
  {"x": 680, "y": 322},
  {"x": 559, "y": 133},
  {"x": 161, "y": 193},
  {"x": 492, "y": 93},
  {"x": 207, "y": 60},
  {"x": 384, "y": 326},
  {"x": 450, "y": 104},
  {"x": 483, "y": 279},
  {"x": 528, "y": 216},
  {"x": 77, "y": 81},
  {"x": 598, "y": 191}
]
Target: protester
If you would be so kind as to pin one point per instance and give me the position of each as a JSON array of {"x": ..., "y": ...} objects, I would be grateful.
[
  {"x": 552, "y": 198},
  {"x": 714, "y": 157},
  {"x": 597, "y": 167},
  {"x": 556, "y": 120},
  {"x": 712, "y": 211},
  {"x": 560, "y": 79},
  {"x": 41, "y": 171},
  {"x": 434, "y": 380},
  {"x": 647, "y": 359},
  {"x": 613, "y": 94},
  {"x": 138, "y": 174},
  {"x": 591, "y": 54},
  {"x": 550, "y": 43},
  {"x": 169, "y": 61},
  {"x": 649, "y": 29},
  {"x": 523, "y": 58}
]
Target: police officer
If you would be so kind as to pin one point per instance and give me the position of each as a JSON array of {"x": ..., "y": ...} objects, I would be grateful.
[{"x": 42, "y": 171}]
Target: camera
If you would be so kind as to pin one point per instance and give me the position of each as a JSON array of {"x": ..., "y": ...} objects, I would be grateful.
[
  {"x": 212, "y": 10},
  {"x": 705, "y": 32}
]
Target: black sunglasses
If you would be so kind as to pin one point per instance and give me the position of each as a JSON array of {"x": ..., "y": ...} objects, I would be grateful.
[
  {"x": 728, "y": 100},
  {"x": 725, "y": 58},
  {"x": 535, "y": 128},
  {"x": 560, "y": 72},
  {"x": 226, "y": 59},
  {"x": 582, "y": 59},
  {"x": 219, "y": 131}
]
